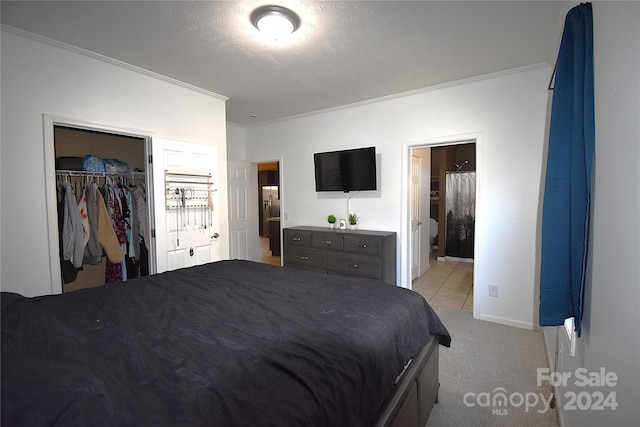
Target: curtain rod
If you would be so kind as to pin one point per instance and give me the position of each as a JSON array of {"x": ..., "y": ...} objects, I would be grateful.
[{"x": 550, "y": 87}]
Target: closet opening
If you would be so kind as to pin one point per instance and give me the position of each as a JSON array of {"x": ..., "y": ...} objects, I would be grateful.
[
  {"x": 93, "y": 169},
  {"x": 269, "y": 224}
]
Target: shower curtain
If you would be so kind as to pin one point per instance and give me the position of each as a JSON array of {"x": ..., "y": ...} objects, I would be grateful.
[{"x": 461, "y": 214}]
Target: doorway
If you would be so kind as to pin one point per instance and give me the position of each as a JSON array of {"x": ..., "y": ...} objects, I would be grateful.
[
  {"x": 446, "y": 154},
  {"x": 76, "y": 150},
  {"x": 269, "y": 223},
  {"x": 249, "y": 216}
]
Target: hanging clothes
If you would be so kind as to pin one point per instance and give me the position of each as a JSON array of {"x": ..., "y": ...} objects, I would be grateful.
[
  {"x": 106, "y": 233},
  {"x": 66, "y": 238},
  {"x": 84, "y": 219},
  {"x": 102, "y": 220},
  {"x": 130, "y": 224},
  {"x": 114, "y": 271},
  {"x": 144, "y": 259},
  {"x": 92, "y": 250},
  {"x": 71, "y": 234},
  {"x": 142, "y": 233},
  {"x": 140, "y": 196}
]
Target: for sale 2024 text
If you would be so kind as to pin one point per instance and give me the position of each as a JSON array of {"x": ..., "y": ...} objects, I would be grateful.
[{"x": 589, "y": 398}]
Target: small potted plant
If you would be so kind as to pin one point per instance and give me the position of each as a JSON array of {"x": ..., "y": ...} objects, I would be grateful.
[
  {"x": 332, "y": 220},
  {"x": 353, "y": 220}
]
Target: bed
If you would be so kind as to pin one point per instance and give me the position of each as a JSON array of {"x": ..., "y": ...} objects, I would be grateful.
[{"x": 230, "y": 343}]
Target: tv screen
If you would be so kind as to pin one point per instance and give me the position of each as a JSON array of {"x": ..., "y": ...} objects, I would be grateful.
[{"x": 346, "y": 170}]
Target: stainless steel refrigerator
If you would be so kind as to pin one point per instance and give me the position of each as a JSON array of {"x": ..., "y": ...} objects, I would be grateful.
[{"x": 270, "y": 206}]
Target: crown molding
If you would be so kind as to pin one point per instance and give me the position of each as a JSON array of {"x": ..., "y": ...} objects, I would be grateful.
[
  {"x": 410, "y": 93},
  {"x": 106, "y": 59}
]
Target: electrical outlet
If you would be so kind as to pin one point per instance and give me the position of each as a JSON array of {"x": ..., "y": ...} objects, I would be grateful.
[{"x": 493, "y": 290}]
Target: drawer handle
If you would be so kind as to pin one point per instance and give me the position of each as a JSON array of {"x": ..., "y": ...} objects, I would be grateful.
[
  {"x": 296, "y": 239},
  {"x": 354, "y": 265},
  {"x": 363, "y": 245},
  {"x": 304, "y": 258},
  {"x": 327, "y": 242}
]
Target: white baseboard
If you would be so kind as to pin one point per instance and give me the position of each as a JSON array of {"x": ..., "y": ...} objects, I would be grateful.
[
  {"x": 456, "y": 259},
  {"x": 503, "y": 321}
]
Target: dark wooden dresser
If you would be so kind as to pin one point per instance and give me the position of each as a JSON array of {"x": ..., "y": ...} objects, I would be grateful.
[{"x": 362, "y": 253}]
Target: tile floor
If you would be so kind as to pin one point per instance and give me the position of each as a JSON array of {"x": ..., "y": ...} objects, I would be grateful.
[
  {"x": 447, "y": 284},
  {"x": 265, "y": 253}
]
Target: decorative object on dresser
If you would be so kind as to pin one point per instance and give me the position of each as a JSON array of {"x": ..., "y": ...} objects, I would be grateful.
[
  {"x": 353, "y": 220},
  {"x": 331, "y": 219},
  {"x": 362, "y": 253}
]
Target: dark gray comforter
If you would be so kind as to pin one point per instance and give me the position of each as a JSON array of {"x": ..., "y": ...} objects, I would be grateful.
[{"x": 232, "y": 343}]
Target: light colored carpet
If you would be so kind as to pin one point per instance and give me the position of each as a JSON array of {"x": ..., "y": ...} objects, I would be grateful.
[{"x": 483, "y": 358}]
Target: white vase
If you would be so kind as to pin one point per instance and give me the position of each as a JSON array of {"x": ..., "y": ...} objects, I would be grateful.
[
  {"x": 332, "y": 225},
  {"x": 352, "y": 226}
]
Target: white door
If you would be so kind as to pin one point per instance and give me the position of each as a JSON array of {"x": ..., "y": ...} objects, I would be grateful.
[
  {"x": 415, "y": 188},
  {"x": 184, "y": 204},
  {"x": 243, "y": 202}
]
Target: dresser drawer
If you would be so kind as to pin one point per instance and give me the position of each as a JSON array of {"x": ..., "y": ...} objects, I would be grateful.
[
  {"x": 306, "y": 258},
  {"x": 296, "y": 237},
  {"x": 355, "y": 265},
  {"x": 331, "y": 241},
  {"x": 363, "y": 245}
]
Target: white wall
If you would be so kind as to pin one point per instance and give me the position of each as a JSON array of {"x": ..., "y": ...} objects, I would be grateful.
[
  {"x": 235, "y": 143},
  {"x": 509, "y": 112},
  {"x": 611, "y": 323},
  {"x": 42, "y": 78}
]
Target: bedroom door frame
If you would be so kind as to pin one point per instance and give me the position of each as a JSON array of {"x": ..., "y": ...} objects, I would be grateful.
[
  {"x": 406, "y": 253},
  {"x": 50, "y": 122}
]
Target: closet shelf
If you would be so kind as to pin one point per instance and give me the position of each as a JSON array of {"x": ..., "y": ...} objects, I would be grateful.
[{"x": 135, "y": 174}]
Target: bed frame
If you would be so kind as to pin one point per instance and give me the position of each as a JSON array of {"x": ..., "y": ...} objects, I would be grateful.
[{"x": 416, "y": 393}]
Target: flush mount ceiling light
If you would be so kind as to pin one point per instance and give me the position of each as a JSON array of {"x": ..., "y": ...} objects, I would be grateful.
[{"x": 275, "y": 22}]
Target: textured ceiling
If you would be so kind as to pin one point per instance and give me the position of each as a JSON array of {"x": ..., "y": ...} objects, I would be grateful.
[{"x": 345, "y": 52}]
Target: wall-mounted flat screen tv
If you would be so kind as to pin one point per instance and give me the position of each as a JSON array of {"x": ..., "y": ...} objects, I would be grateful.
[{"x": 346, "y": 170}]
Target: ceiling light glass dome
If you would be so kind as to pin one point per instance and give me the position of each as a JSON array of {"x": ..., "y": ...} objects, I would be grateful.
[{"x": 276, "y": 22}]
